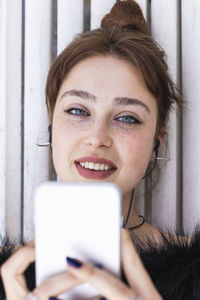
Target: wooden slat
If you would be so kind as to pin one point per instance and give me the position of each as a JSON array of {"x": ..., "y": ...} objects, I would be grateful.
[
  {"x": 3, "y": 33},
  {"x": 98, "y": 10},
  {"x": 69, "y": 21},
  {"x": 37, "y": 61},
  {"x": 165, "y": 29},
  {"x": 13, "y": 122},
  {"x": 191, "y": 116}
]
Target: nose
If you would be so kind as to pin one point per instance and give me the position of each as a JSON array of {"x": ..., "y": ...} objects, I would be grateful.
[{"x": 99, "y": 136}]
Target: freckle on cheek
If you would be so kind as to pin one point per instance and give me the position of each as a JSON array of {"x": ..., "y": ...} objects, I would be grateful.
[{"x": 75, "y": 125}]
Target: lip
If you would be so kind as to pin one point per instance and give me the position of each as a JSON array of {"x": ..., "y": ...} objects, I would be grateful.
[
  {"x": 92, "y": 174},
  {"x": 99, "y": 160}
]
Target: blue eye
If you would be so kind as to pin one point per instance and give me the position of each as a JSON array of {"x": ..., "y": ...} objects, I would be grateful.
[
  {"x": 76, "y": 112},
  {"x": 128, "y": 119}
]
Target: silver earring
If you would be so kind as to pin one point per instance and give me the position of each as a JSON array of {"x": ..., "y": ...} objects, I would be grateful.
[
  {"x": 163, "y": 158},
  {"x": 43, "y": 144},
  {"x": 44, "y": 136}
]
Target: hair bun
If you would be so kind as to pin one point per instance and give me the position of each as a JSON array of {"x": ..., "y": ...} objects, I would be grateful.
[{"x": 125, "y": 14}]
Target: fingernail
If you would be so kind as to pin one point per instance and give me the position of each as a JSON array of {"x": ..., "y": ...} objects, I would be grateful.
[
  {"x": 53, "y": 298},
  {"x": 103, "y": 298},
  {"x": 74, "y": 262},
  {"x": 98, "y": 265}
]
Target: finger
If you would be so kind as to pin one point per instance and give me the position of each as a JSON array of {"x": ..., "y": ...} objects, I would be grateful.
[
  {"x": 12, "y": 272},
  {"x": 135, "y": 271},
  {"x": 106, "y": 284},
  {"x": 56, "y": 285},
  {"x": 19, "y": 261}
]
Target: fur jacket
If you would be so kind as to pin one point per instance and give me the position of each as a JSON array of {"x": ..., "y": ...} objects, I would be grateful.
[{"x": 174, "y": 265}]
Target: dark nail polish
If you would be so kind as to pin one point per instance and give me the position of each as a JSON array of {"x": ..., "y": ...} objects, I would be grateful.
[
  {"x": 74, "y": 262},
  {"x": 98, "y": 265},
  {"x": 53, "y": 298},
  {"x": 103, "y": 298}
]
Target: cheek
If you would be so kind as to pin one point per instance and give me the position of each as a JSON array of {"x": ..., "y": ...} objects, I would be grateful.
[
  {"x": 63, "y": 133},
  {"x": 137, "y": 149},
  {"x": 62, "y": 140}
]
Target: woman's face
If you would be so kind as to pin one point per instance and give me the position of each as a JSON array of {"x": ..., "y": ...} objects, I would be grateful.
[{"x": 104, "y": 123}]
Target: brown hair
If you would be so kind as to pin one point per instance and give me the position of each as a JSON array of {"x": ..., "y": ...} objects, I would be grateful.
[{"x": 124, "y": 34}]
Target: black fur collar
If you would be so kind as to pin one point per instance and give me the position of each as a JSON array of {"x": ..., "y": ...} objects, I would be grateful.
[{"x": 174, "y": 265}]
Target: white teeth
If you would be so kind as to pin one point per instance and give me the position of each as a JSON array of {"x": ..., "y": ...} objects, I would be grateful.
[
  {"x": 102, "y": 167},
  {"x": 97, "y": 166},
  {"x": 93, "y": 166}
]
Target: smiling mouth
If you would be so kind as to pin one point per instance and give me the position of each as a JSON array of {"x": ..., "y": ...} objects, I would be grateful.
[{"x": 91, "y": 170}]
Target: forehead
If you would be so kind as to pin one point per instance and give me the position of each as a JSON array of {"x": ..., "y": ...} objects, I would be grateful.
[{"x": 108, "y": 76}]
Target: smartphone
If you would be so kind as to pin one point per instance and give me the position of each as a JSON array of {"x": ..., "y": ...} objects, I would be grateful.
[{"x": 79, "y": 220}]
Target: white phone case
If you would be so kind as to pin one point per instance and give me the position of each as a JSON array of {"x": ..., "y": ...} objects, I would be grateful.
[{"x": 79, "y": 220}]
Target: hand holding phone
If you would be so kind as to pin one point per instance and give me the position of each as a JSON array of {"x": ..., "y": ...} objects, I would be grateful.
[{"x": 80, "y": 220}]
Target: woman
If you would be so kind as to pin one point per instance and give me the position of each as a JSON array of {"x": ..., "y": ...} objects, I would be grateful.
[{"x": 108, "y": 96}]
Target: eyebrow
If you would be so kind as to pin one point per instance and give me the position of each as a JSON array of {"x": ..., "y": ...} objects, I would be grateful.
[
  {"x": 131, "y": 101},
  {"x": 81, "y": 94},
  {"x": 118, "y": 100}
]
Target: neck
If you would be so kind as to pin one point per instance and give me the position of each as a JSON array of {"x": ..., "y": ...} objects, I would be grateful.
[{"x": 134, "y": 219}]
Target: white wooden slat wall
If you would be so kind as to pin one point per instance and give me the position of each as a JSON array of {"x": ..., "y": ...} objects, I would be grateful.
[
  {"x": 37, "y": 61},
  {"x": 10, "y": 117},
  {"x": 3, "y": 34},
  {"x": 69, "y": 22},
  {"x": 191, "y": 116},
  {"x": 26, "y": 39},
  {"x": 165, "y": 28},
  {"x": 13, "y": 118}
]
